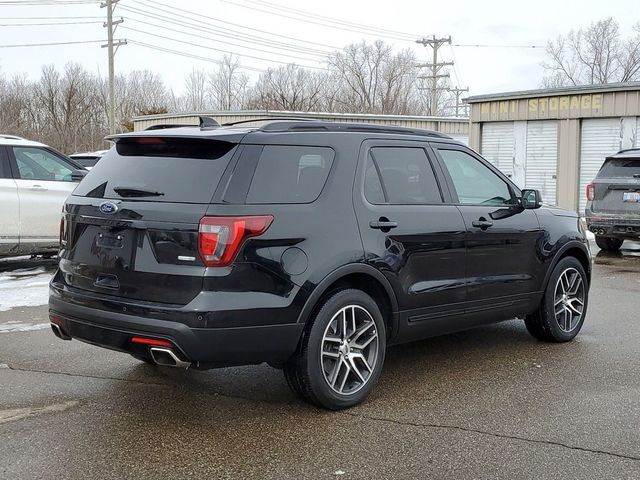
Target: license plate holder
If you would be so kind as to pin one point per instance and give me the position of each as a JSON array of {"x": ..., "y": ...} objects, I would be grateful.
[
  {"x": 110, "y": 241},
  {"x": 631, "y": 197}
]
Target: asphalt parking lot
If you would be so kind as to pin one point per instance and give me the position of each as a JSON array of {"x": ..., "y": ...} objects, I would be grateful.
[{"x": 487, "y": 403}]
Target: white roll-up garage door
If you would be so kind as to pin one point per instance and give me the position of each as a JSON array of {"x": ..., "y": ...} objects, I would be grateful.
[
  {"x": 600, "y": 138},
  {"x": 542, "y": 158},
  {"x": 637, "y": 133},
  {"x": 497, "y": 145}
]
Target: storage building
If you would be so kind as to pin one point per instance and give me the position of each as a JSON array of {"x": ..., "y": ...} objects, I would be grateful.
[{"x": 555, "y": 140}]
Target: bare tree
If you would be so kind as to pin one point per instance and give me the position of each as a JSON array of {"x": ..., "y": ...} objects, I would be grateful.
[
  {"x": 196, "y": 90},
  {"x": 227, "y": 86},
  {"x": 594, "y": 55},
  {"x": 374, "y": 79},
  {"x": 289, "y": 87}
]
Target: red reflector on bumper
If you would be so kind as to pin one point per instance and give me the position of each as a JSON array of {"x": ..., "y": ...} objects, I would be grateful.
[
  {"x": 56, "y": 319},
  {"x": 154, "y": 342}
]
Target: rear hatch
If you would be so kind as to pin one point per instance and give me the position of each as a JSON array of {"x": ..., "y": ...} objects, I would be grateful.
[
  {"x": 617, "y": 187},
  {"x": 131, "y": 227}
]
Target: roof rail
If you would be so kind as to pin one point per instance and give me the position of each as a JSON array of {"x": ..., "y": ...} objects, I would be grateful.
[
  {"x": 268, "y": 119},
  {"x": 162, "y": 126},
  {"x": 347, "y": 127},
  {"x": 11, "y": 137}
]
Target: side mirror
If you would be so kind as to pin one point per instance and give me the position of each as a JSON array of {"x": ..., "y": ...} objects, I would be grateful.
[
  {"x": 78, "y": 175},
  {"x": 531, "y": 199}
]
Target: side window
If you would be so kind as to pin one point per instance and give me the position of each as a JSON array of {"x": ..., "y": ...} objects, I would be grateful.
[
  {"x": 290, "y": 174},
  {"x": 5, "y": 171},
  {"x": 474, "y": 182},
  {"x": 372, "y": 186},
  {"x": 38, "y": 164},
  {"x": 407, "y": 176}
]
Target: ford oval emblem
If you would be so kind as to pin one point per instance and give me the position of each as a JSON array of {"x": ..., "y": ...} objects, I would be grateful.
[{"x": 108, "y": 208}]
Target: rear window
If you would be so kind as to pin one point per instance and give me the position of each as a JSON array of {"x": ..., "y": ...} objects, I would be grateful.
[
  {"x": 182, "y": 170},
  {"x": 619, "y": 167},
  {"x": 290, "y": 174}
]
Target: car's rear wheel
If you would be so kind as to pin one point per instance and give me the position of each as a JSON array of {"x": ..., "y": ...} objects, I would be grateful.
[
  {"x": 342, "y": 352},
  {"x": 561, "y": 313},
  {"x": 609, "y": 244}
]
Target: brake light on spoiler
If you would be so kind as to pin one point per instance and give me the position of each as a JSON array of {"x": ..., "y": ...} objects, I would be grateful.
[{"x": 220, "y": 238}]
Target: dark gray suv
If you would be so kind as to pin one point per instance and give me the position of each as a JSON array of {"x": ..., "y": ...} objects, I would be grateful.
[{"x": 613, "y": 200}]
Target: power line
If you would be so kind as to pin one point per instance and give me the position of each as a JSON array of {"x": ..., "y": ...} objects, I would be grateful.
[
  {"x": 338, "y": 21},
  {"x": 215, "y": 49},
  {"x": 16, "y": 3},
  {"x": 188, "y": 55},
  {"x": 322, "y": 23},
  {"x": 50, "y": 18},
  {"x": 173, "y": 14},
  {"x": 208, "y": 27},
  {"x": 45, "y": 24},
  {"x": 237, "y": 37},
  {"x": 50, "y": 44},
  {"x": 496, "y": 46},
  {"x": 217, "y": 40}
]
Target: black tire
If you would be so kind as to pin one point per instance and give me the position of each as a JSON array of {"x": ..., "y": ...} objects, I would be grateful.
[
  {"x": 306, "y": 373},
  {"x": 542, "y": 323},
  {"x": 609, "y": 244}
]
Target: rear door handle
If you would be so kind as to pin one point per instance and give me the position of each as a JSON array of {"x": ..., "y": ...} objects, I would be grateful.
[
  {"x": 482, "y": 223},
  {"x": 383, "y": 223},
  {"x": 38, "y": 188}
]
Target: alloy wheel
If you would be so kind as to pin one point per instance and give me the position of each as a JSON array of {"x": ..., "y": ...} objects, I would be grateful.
[
  {"x": 569, "y": 298},
  {"x": 349, "y": 350}
]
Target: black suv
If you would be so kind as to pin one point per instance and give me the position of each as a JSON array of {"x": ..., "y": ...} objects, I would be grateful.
[
  {"x": 308, "y": 245},
  {"x": 613, "y": 200}
]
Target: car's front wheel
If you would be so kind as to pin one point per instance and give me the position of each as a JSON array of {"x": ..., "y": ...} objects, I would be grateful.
[
  {"x": 561, "y": 313},
  {"x": 609, "y": 244},
  {"x": 341, "y": 353}
]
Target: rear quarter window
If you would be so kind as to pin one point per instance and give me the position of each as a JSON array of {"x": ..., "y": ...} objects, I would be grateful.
[{"x": 290, "y": 174}]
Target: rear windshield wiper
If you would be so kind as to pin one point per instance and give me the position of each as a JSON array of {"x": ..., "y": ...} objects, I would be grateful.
[{"x": 136, "y": 192}]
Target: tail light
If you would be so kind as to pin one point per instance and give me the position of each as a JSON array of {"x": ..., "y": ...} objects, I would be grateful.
[
  {"x": 63, "y": 231},
  {"x": 590, "y": 191},
  {"x": 220, "y": 238}
]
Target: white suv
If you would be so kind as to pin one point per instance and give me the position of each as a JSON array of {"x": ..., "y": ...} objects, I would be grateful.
[{"x": 35, "y": 180}]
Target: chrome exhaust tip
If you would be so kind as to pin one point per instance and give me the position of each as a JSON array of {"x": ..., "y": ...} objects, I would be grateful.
[
  {"x": 167, "y": 358},
  {"x": 58, "y": 332}
]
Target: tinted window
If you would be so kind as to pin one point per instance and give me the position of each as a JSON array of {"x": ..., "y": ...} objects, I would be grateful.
[
  {"x": 290, "y": 174},
  {"x": 39, "y": 164},
  {"x": 407, "y": 176},
  {"x": 177, "y": 170},
  {"x": 474, "y": 182},
  {"x": 372, "y": 186},
  {"x": 86, "y": 161},
  {"x": 619, "y": 167}
]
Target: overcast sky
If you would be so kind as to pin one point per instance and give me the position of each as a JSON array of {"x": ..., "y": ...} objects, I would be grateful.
[{"x": 484, "y": 70}]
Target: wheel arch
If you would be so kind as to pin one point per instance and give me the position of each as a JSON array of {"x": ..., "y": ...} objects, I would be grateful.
[
  {"x": 574, "y": 249},
  {"x": 362, "y": 277}
]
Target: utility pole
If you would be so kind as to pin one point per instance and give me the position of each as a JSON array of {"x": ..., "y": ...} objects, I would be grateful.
[
  {"x": 111, "y": 26},
  {"x": 457, "y": 92},
  {"x": 434, "y": 68}
]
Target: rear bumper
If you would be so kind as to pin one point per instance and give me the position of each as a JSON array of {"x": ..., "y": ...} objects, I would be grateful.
[
  {"x": 622, "y": 226},
  {"x": 203, "y": 347}
]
